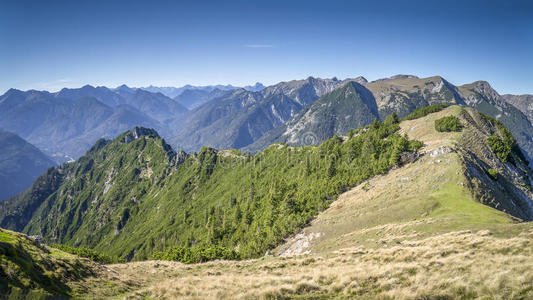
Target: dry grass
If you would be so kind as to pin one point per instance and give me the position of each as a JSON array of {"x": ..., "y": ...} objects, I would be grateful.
[{"x": 459, "y": 264}]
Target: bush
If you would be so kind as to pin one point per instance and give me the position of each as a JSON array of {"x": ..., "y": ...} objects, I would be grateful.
[
  {"x": 424, "y": 111},
  {"x": 415, "y": 145},
  {"x": 89, "y": 253},
  {"x": 449, "y": 123},
  {"x": 493, "y": 173},
  {"x": 499, "y": 147},
  {"x": 196, "y": 254}
]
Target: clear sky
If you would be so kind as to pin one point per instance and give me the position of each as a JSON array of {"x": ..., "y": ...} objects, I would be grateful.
[{"x": 52, "y": 44}]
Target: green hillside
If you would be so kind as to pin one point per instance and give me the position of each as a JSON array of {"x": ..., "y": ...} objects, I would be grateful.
[{"x": 133, "y": 196}]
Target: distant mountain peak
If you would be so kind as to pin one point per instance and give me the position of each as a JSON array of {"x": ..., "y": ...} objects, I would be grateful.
[
  {"x": 254, "y": 88},
  {"x": 360, "y": 80},
  {"x": 124, "y": 89},
  {"x": 13, "y": 91},
  {"x": 398, "y": 76}
]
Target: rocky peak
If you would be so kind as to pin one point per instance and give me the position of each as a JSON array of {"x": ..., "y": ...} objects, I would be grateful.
[
  {"x": 254, "y": 88},
  {"x": 138, "y": 132},
  {"x": 484, "y": 88},
  {"x": 360, "y": 80}
]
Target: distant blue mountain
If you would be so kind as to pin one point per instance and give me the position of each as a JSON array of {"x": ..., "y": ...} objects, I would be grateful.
[
  {"x": 65, "y": 124},
  {"x": 20, "y": 164},
  {"x": 174, "y": 92}
]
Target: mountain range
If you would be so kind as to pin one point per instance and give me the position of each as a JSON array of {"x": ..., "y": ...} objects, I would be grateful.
[
  {"x": 65, "y": 124},
  {"x": 20, "y": 164},
  {"x": 248, "y": 119},
  {"x": 174, "y": 92},
  {"x": 357, "y": 105}
]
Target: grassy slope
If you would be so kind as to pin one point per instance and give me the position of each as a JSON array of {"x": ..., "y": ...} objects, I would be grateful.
[
  {"x": 428, "y": 198},
  {"x": 31, "y": 272},
  {"x": 415, "y": 232},
  {"x": 127, "y": 200},
  {"x": 455, "y": 265}
]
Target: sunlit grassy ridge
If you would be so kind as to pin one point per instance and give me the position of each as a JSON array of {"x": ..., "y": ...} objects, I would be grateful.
[{"x": 427, "y": 197}]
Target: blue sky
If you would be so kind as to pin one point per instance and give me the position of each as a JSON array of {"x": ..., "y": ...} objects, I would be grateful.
[{"x": 51, "y": 44}]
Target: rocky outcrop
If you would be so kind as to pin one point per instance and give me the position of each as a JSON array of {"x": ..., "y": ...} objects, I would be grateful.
[
  {"x": 510, "y": 189},
  {"x": 138, "y": 132}
]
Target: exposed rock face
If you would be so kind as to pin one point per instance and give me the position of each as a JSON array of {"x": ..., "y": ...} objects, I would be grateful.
[
  {"x": 360, "y": 80},
  {"x": 510, "y": 191},
  {"x": 300, "y": 243},
  {"x": 441, "y": 150},
  {"x": 408, "y": 157}
]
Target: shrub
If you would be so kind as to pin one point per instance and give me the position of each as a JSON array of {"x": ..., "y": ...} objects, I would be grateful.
[
  {"x": 415, "y": 145},
  {"x": 424, "y": 111},
  {"x": 449, "y": 123},
  {"x": 493, "y": 173},
  {"x": 499, "y": 147},
  {"x": 503, "y": 144}
]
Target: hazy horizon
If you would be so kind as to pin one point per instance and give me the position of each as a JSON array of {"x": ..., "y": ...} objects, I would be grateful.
[{"x": 74, "y": 86}]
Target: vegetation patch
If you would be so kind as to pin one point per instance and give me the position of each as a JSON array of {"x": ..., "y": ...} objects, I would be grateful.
[
  {"x": 424, "y": 111},
  {"x": 448, "y": 123},
  {"x": 89, "y": 253},
  {"x": 502, "y": 143}
]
